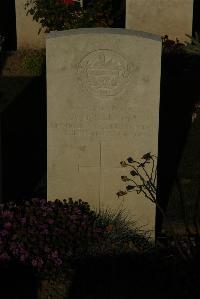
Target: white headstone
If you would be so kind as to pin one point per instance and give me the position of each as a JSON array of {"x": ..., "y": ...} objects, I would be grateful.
[
  {"x": 103, "y": 88},
  {"x": 162, "y": 17}
]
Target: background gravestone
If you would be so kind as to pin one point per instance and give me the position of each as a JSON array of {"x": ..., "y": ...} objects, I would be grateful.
[
  {"x": 162, "y": 17},
  {"x": 27, "y": 29},
  {"x": 103, "y": 89}
]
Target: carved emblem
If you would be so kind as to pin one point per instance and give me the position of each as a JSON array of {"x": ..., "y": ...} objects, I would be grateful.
[{"x": 104, "y": 72}]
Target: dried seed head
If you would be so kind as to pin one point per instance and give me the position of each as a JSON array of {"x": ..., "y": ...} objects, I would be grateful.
[
  {"x": 124, "y": 178},
  {"x": 123, "y": 164},
  {"x": 121, "y": 193}
]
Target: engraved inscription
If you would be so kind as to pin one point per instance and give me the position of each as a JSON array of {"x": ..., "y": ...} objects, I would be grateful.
[
  {"x": 104, "y": 123},
  {"x": 104, "y": 72}
]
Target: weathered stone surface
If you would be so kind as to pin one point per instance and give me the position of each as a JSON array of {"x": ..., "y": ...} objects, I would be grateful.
[
  {"x": 162, "y": 17},
  {"x": 103, "y": 90}
]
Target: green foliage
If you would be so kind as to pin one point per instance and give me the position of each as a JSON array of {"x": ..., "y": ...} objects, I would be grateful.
[
  {"x": 33, "y": 62},
  {"x": 54, "y": 14},
  {"x": 119, "y": 235},
  {"x": 104, "y": 13},
  {"x": 193, "y": 47},
  {"x": 59, "y": 15}
]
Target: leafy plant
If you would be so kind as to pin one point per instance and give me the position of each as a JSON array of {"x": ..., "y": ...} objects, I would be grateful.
[
  {"x": 193, "y": 47},
  {"x": 104, "y": 13},
  {"x": 119, "y": 234},
  {"x": 33, "y": 62},
  {"x": 69, "y": 14},
  {"x": 54, "y": 14}
]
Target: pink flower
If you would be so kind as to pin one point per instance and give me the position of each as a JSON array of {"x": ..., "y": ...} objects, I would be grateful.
[
  {"x": 4, "y": 257},
  {"x": 24, "y": 257},
  {"x": 14, "y": 237},
  {"x": 58, "y": 262},
  {"x": 46, "y": 249},
  {"x": 34, "y": 263},
  {"x": 54, "y": 254},
  {"x": 77, "y": 211},
  {"x": 37, "y": 262},
  {"x": 3, "y": 233},
  {"x": 7, "y": 214},
  {"x": 7, "y": 226},
  {"x": 50, "y": 221},
  {"x": 23, "y": 220}
]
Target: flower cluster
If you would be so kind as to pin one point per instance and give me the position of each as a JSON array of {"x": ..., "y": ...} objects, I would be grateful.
[{"x": 46, "y": 235}]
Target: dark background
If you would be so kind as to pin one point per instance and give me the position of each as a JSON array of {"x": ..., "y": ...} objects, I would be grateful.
[{"x": 8, "y": 24}]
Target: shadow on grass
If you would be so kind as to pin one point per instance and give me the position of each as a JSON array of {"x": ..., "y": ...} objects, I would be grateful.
[
  {"x": 17, "y": 282},
  {"x": 131, "y": 277},
  {"x": 3, "y": 57},
  {"x": 23, "y": 136},
  {"x": 108, "y": 277},
  {"x": 179, "y": 92}
]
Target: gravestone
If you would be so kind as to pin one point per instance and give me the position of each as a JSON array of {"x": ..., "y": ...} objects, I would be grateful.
[
  {"x": 103, "y": 89},
  {"x": 27, "y": 29},
  {"x": 162, "y": 17}
]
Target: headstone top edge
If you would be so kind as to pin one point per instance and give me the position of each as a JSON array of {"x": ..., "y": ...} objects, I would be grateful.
[{"x": 122, "y": 31}]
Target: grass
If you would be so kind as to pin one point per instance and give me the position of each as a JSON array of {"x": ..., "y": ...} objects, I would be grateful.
[
  {"x": 120, "y": 235},
  {"x": 33, "y": 62}
]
